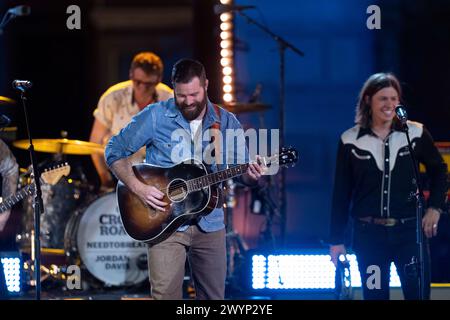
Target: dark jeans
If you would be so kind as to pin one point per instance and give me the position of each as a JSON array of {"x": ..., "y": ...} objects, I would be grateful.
[
  {"x": 206, "y": 253},
  {"x": 376, "y": 245}
]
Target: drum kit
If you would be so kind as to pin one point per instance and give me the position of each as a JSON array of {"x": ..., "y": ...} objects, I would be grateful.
[{"x": 78, "y": 227}]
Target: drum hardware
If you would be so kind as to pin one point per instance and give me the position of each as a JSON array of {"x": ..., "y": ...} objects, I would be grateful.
[
  {"x": 58, "y": 195},
  {"x": 48, "y": 177},
  {"x": 53, "y": 271},
  {"x": 49, "y": 266}
]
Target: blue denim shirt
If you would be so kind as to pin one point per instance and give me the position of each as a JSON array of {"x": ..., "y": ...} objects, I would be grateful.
[{"x": 165, "y": 132}]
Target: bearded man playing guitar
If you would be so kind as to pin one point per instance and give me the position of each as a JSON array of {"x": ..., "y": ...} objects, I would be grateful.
[{"x": 180, "y": 192}]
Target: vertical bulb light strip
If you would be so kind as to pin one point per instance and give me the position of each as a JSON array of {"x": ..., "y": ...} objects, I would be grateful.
[{"x": 226, "y": 54}]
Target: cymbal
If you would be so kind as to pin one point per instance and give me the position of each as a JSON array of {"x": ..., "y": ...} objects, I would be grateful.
[
  {"x": 237, "y": 107},
  {"x": 65, "y": 146},
  {"x": 8, "y": 129},
  {"x": 5, "y": 101}
]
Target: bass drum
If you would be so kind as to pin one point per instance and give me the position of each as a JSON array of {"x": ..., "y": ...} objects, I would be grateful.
[{"x": 96, "y": 239}]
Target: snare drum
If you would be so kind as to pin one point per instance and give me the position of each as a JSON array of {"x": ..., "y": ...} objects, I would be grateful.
[{"x": 95, "y": 237}]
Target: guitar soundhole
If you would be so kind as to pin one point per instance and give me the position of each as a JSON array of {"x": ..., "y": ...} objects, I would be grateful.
[{"x": 177, "y": 190}]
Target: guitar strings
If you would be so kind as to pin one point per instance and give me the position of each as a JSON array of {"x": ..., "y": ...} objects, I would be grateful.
[
  {"x": 176, "y": 186},
  {"x": 180, "y": 185}
]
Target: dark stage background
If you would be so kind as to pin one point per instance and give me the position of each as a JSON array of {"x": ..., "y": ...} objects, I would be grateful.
[{"x": 70, "y": 69}]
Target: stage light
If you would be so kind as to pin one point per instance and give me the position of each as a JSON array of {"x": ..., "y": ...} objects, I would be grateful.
[
  {"x": 303, "y": 272},
  {"x": 11, "y": 263},
  {"x": 225, "y": 62},
  {"x": 225, "y": 26},
  {"x": 225, "y": 17},
  {"x": 227, "y": 97},
  {"x": 227, "y": 79},
  {"x": 227, "y": 71},
  {"x": 224, "y": 35},
  {"x": 258, "y": 271},
  {"x": 227, "y": 88},
  {"x": 225, "y": 44},
  {"x": 226, "y": 53}
]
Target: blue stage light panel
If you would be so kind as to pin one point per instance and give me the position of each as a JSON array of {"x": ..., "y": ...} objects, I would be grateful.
[
  {"x": 303, "y": 271},
  {"x": 12, "y": 269}
]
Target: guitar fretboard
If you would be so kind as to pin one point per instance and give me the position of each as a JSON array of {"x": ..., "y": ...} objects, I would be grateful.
[
  {"x": 7, "y": 203},
  {"x": 220, "y": 176},
  {"x": 216, "y": 177}
]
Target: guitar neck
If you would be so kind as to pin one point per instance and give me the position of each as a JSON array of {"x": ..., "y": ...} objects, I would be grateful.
[
  {"x": 216, "y": 177},
  {"x": 7, "y": 203},
  {"x": 51, "y": 176}
]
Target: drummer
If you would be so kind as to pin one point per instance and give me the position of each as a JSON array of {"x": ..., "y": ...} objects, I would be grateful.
[{"x": 122, "y": 101}]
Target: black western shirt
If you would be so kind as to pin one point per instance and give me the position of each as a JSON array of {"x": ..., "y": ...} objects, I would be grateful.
[{"x": 375, "y": 177}]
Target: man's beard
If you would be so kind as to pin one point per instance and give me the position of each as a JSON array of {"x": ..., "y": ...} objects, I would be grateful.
[{"x": 191, "y": 113}]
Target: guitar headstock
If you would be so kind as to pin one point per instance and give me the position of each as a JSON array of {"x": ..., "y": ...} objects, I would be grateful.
[
  {"x": 287, "y": 156},
  {"x": 53, "y": 175}
]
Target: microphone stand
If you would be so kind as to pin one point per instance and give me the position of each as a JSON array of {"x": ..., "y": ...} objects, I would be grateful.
[
  {"x": 37, "y": 202},
  {"x": 270, "y": 210},
  {"x": 418, "y": 263},
  {"x": 282, "y": 46}
]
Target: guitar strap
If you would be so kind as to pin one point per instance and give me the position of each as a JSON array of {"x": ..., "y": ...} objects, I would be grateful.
[
  {"x": 216, "y": 126},
  {"x": 217, "y": 145}
]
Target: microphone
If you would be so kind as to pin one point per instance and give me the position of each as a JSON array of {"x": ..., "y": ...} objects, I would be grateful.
[
  {"x": 20, "y": 11},
  {"x": 4, "y": 121},
  {"x": 21, "y": 85},
  {"x": 222, "y": 8},
  {"x": 402, "y": 116}
]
